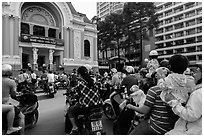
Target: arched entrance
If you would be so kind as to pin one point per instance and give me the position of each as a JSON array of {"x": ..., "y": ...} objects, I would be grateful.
[{"x": 41, "y": 34}]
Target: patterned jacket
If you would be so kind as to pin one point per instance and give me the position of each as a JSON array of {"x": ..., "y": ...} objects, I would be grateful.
[{"x": 85, "y": 96}]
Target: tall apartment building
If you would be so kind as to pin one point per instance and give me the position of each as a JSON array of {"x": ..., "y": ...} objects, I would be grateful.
[
  {"x": 180, "y": 30},
  {"x": 105, "y": 8}
]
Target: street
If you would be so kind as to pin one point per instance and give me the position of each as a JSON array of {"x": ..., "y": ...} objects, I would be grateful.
[{"x": 51, "y": 116}]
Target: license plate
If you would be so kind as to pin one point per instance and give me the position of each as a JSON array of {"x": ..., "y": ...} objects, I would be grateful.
[{"x": 96, "y": 125}]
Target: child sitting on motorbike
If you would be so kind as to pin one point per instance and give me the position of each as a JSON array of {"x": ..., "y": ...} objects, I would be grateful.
[{"x": 86, "y": 94}]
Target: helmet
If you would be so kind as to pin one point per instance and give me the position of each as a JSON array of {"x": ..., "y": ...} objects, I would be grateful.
[
  {"x": 130, "y": 69},
  {"x": 88, "y": 67},
  {"x": 164, "y": 63},
  {"x": 6, "y": 70},
  {"x": 114, "y": 70},
  {"x": 153, "y": 53},
  {"x": 146, "y": 60}
]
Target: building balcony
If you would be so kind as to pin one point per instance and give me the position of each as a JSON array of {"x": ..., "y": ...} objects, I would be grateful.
[{"x": 40, "y": 39}]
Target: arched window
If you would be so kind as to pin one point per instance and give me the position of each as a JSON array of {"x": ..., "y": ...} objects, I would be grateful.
[
  {"x": 86, "y": 48},
  {"x": 25, "y": 28},
  {"x": 38, "y": 31}
]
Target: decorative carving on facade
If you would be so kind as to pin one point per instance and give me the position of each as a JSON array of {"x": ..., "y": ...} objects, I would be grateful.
[
  {"x": 35, "y": 55},
  {"x": 77, "y": 44},
  {"x": 38, "y": 15},
  {"x": 51, "y": 56},
  {"x": 66, "y": 12}
]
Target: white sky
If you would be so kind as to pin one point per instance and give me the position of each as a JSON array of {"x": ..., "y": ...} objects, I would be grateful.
[{"x": 88, "y": 8}]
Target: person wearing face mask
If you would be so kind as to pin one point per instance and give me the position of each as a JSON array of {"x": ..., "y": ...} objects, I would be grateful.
[
  {"x": 190, "y": 121},
  {"x": 160, "y": 120}
]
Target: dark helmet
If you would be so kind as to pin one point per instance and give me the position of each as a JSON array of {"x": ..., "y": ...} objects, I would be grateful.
[{"x": 164, "y": 63}]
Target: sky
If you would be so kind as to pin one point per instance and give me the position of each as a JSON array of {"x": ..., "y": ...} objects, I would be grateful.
[{"x": 88, "y": 8}]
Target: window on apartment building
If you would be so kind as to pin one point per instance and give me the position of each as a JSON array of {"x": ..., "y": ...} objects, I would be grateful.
[
  {"x": 179, "y": 25},
  {"x": 199, "y": 39},
  {"x": 190, "y": 14},
  {"x": 169, "y": 28},
  {"x": 180, "y": 50},
  {"x": 199, "y": 29},
  {"x": 159, "y": 31},
  {"x": 25, "y": 29},
  {"x": 189, "y": 5},
  {"x": 200, "y": 57},
  {"x": 160, "y": 15},
  {"x": 161, "y": 45},
  {"x": 169, "y": 44},
  {"x": 169, "y": 52},
  {"x": 191, "y": 49},
  {"x": 160, "y": 38},
  {"x": 199, "y": 48},
  {"x": 169, "y": 4},
  {"x": 169, "y": 36},
  {"x": 160, "y": 8},
  {"x": 38, "y": 30},
  {"x": 199, "y": 11},
  {"x": 179, "y": 17},
  {"x": 190, "y": 31},
  {"x": 86, "y": 48},
  {"x": 178, "y": 9},
  {"x": 190, "y": 23},
  {"x": 179, "y": 34},
  {"x": 191, "y": 57},
  {"x": 167, "y": 21},
  {"x": 199, "y": 20},
  {"x": 168, "y": 13},
  {"x": 179, "y": 42},
  {"x": 190, "y": 40}
]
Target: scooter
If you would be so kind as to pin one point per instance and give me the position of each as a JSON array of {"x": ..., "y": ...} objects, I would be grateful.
[
  {"x": 89, "y": 123},
  {"x": 28, "y": 105},
  {"x": 111, "y": 110}
]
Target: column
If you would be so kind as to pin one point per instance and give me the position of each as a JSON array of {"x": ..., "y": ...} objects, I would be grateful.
[
  {"x": 16, "y": 34},
  {"x": 82, "y": 45},
  {"x": 46, "y": 31},
  {"x": 51, "y": 58},
  {"x": 5, "y": 35},
  {"x": 71, "y": 44},
  {"x": 35, "y": 58},
  {"x": 31, "y": 28},
  {"x": 66, "y": 42},
  {"x": 95, "y": 51}
]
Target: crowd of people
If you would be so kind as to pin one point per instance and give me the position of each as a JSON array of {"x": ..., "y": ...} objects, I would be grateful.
[{"x": 173, "y": 93}]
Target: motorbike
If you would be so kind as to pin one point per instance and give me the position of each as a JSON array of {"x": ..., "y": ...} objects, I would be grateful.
[
  {"x": 89, "y": 123},
  {"x": 50, "y": 89},
  {"x": 28, "y": 105},
  {"x": 110, "y": 107}
]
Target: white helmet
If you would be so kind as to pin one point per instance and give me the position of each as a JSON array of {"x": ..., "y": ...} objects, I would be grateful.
[
  {"x": 153, "y": 53},
  {"x": 114, "y": 70},
  {"x": 130, "y": 69},
  {"x": 6, "y": 69}
]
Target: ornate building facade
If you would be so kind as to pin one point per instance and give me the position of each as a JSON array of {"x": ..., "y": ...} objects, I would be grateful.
[{"x": 51, "y": 33}]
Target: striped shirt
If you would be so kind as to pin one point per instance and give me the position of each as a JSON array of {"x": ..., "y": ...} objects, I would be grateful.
[{"x": 159, "y": 117}]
